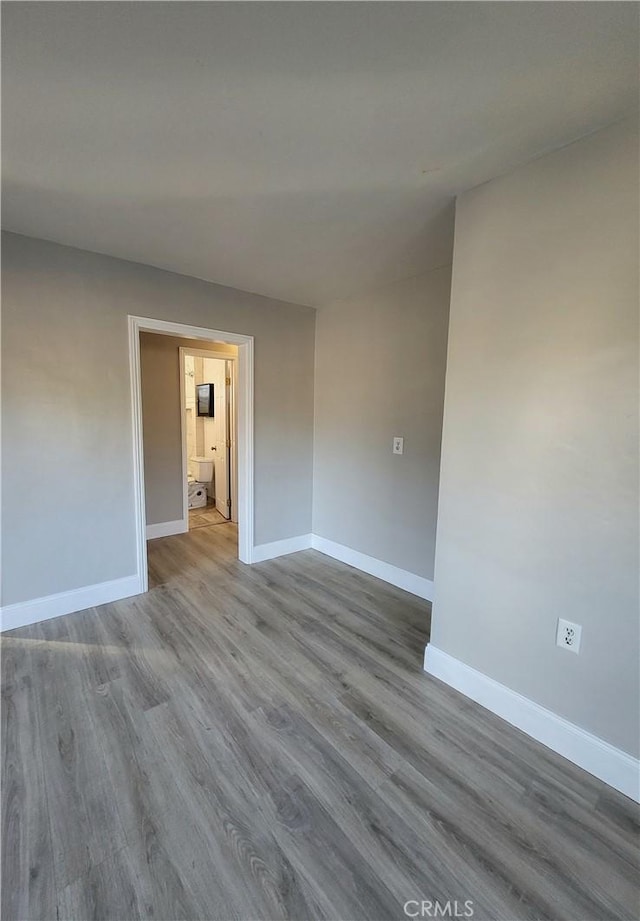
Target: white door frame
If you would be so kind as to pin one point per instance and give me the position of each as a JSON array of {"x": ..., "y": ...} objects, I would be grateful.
[
  {"x": 244, "y": 433},
  {"x": 222, "y": 356}
]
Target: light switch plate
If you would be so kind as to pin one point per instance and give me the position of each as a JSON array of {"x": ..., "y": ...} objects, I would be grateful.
[{"x": 398, "y": 444}]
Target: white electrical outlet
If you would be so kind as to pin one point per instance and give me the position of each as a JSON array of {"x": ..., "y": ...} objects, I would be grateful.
[
  {"x": 398, "y": 444},
  {"x": 568, "y": 635}
]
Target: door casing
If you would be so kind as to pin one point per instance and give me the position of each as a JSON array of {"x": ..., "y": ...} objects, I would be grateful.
[{"x": 244, "y": 429}]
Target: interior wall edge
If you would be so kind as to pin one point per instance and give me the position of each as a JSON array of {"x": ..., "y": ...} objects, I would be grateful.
[
  {"x": 613, "y": 766},
  {"x": 401, "y": 578},
  {"x": 36, "y": 610},
  {"x": 276, "y": 548},
  {"x": 166, "y": 529}
]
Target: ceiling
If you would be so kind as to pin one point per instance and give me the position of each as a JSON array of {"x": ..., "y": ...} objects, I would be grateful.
[{"x": 306, "y": 151}]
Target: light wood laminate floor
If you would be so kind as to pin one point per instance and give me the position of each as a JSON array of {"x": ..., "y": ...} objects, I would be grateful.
[{"x": 262, "y": 743}]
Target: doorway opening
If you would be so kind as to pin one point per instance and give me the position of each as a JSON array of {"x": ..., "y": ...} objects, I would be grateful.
[
  {"x": 239, "y": 454},
  {"x": 209, "y": 455}
]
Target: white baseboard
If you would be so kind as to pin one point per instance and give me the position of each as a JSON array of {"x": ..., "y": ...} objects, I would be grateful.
[
  {"x": 401, "y": 578},
  {"x": 615, "y": 767},
  {"x": 167, "y": 528},
  {"x": 32, "y": 612},
  {"x": 280, "y": 548}
]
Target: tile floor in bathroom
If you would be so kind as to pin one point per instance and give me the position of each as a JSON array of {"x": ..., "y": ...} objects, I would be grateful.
[{"x": 205, "y": 517}]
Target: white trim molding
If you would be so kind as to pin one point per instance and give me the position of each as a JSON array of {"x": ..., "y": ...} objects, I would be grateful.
[
  {"x": 40, "y": 609},
  {"x": 409, "y": 581},
  {"x": 615, "y": 767},
  {"x": 277, "y": 548},
  {"x": 167, "y": 528},
  {"x": 138, "y": 462},
  {"x": 24, "y": 613}
]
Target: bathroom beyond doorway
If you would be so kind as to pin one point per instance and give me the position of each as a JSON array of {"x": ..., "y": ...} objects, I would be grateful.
[
  {"x": 167, "y": 454},
  {"x": 208, "y": 440}
]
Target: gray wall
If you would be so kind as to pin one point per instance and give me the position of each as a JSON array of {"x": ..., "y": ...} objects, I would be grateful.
[
  {"x": 161, "y": 421},
  {"x": 538, "y": 513},
  {"x": 380, "y": 368},
  {"x": 67, "y": 414}
]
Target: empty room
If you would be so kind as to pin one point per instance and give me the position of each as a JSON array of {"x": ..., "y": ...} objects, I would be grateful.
[{"x": 320, "y": 461}]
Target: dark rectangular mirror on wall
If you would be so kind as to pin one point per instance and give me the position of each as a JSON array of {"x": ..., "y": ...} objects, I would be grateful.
[{"x": 206, "y": 403}]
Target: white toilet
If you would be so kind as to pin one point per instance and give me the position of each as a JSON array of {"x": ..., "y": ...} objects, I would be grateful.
[{"x": 199, "y": 479}]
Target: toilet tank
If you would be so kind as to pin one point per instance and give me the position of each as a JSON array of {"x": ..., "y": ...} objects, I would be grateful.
[{"x": 201, "y": 469}]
